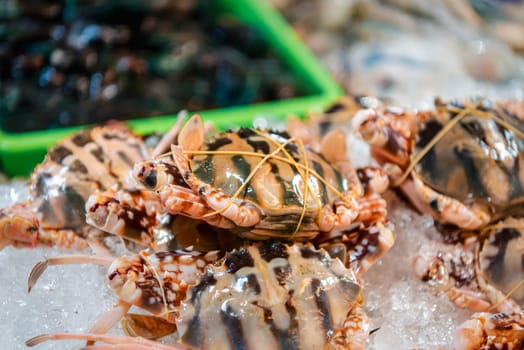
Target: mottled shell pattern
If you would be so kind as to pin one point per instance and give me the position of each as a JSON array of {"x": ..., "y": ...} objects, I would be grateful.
[
  {"x": 500, "y": 261},
  {"x": 479, "y": 155},
  {"x": 76, "y": 167},
  {"x": 276, "y": 185},
  {"x": 285, "y": 297}
]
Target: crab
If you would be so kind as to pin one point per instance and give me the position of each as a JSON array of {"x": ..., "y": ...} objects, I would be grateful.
[
  {"x": 462, "y": 162},
  {"x": 93, "y": 162},
  {"x": 491, "y": 331},
  {"x": 265, "y": 294},
  {"x": 340, "y": 208},
  {"x": 86, "y": 162},
  {"x": 479, "y": 272},
  {"x": 263, "y": 184}
]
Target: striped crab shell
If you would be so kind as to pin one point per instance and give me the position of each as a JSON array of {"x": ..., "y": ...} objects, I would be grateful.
[
  {"x": 276, "y": 187},
  {"x": 462, "y": 162},
  {"x": 261, "y": 295},
  {"x": 86, "y": 162},
  {"x": 260, "y": 183},
  {"x": 483, "y": 153},
  {"x": 91, "y": 160},
  {"x": 499, "y": 263},
  {"x": 275, "y": 296},
  {"x": 482, "y": 272}
]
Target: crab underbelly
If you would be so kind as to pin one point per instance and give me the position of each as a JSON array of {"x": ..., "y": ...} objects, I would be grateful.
[
  {"x": 295, "y": 300},
  {"x": 243, "y": 325}
]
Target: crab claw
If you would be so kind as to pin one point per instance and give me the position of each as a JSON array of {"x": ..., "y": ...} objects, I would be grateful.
[
  {"x": 18, "y": 227},
  {"x": 158, "y": 282},
  {"x": 388, "y": 132},
  {"x": 371, "y": 127},
  {"x": 156, "y": 174},
  {"x": 491, "y": 331}
]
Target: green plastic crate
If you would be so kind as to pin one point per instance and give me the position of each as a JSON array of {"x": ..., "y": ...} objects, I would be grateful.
[{"x": 20, "y": 152}]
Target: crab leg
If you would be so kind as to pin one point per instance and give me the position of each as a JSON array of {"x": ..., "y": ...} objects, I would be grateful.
[
  {"x": 469, "y": 299},
  {"x": 40, "y": 267},
  {"x": 109, "y": 318},
  {"x": 354, "y": 333},
  {"x": 168, "y": 138},
  {"x": 447, "y": 208},
  {"x": 128, "y": 342},
  {"x": 371, "y": 208}
]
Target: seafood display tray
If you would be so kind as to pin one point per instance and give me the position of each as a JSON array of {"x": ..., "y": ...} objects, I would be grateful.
[{"x": 20, "y": 152}]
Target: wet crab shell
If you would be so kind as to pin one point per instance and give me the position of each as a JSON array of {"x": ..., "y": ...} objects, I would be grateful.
[
  {"x": 478, "y": 159},
  {"x": 89, "y": 160},
  {"x": 481, "y": 272},
  {"x": 277, "y": 187},
  {"x": 265, "y": 294},
  {"x": 500, "y": 261},
  {"x": 270, "y": 295}
]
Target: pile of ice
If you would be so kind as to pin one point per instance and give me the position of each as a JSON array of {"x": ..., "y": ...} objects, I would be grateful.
[
  {"x": 407, "y": 313},
  {"x": 66, "y": 298}
]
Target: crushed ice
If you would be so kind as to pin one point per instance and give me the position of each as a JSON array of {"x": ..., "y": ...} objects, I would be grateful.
[
  {"x": 406, "y": 312},
  {"x": 65, "y": 299}
]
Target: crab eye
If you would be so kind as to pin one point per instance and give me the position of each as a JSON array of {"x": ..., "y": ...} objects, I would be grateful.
[
  {"x": 150, "y": 180},
  {"x": 147, "y": 174}
]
